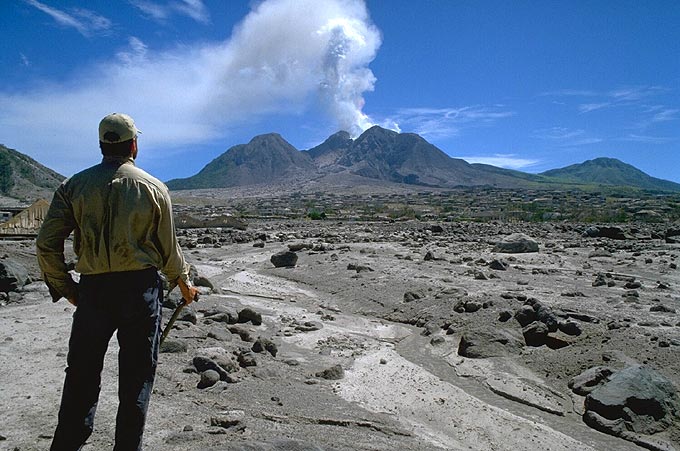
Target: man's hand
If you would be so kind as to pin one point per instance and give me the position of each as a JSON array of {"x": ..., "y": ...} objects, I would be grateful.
[
  {"x": 189, "y": 293},
  {"x": 73, "y": 301}
]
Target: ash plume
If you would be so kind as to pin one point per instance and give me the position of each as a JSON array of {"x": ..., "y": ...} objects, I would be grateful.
[{"x": 284, "y": 57}]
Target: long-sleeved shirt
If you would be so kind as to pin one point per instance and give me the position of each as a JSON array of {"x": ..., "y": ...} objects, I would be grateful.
[{"x": 122, "y": 221}]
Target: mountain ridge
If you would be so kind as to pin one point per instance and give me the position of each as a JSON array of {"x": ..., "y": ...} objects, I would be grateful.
[
  {"x": 24, "y": 179},
  {"x": 384, "y": 155}
]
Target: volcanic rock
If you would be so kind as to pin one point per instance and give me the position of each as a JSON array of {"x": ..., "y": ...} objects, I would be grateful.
[
  {"x": 515, "y": 244},
  {"x": 284, "y": 259},
  {"x": 488, "y": 342},
  {"x": 13, "y": 275},
  {"x": 644, "y": 400},
  {"x": 589, "y": 380}
]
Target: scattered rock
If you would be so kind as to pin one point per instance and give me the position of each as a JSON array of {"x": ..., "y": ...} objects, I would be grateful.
[
  {"x": 515, "y": 244},
  {"x": 535, "y": 334},
  {"x": 636, "y": 399},
  {"x": 589, "y": 380},
  {"x": 203, "y": 364},
  {"x": 173, "y": 347},
  {"x": 504, "y": 315},
  {"x": 228, "y": 419},
  {"x": 265, "y": 344},
  {"x": 208, "y": 379},
  {"x": 411, "y": 296},
  {"x": 661, "y": 308},
  {"x": 284, "y": 259},
  {"x": 525, "y": 315},
  {"x": 488, "y": 342},
  {"x": 359, "y": 268},
  {"x": 248, "y": 314},
  {"x": 246, "y": 359},
  {"x": 570, "y": 328},
  {"x": 498, "y": 265},
  {"x": 336, "y": 372},
  {"x": 13, "y": 275}
]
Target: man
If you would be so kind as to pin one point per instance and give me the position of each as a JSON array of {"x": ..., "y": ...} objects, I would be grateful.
[{"x": 124, "y": 234}]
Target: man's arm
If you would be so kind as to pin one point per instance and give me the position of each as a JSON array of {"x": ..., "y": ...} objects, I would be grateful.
[
  {"x": 175, "y": 267},
  {"x": 56, "y": 227}
]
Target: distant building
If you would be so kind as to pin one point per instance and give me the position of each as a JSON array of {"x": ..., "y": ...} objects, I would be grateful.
[
  {"x": 28, "y": 221},
  {"x": 5, "y": 216}
]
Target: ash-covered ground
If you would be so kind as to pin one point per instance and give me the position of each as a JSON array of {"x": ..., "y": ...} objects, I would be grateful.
[{"x": 384, "y": 335}]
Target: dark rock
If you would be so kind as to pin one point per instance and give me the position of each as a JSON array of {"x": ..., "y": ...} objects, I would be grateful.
[
  {"x": 219, "y": 333},
  {"x": 479, "y": 275},
  {"x": 228, "y": 420},
  {"x": 265, "y": 344},
  {"x": 515, "y": 244},
  {"x": 438, "y": 340},
  {"x": 13, "y": 275},
  {"x": 208, "y": 379},
  {"x": 614, "y": 233},
  {"x": 504, "y": 315},
  {"x": 600, "y": 281},
  {"x": 223, "y": 317},
  {"x": 488, "y": 342},
  {"x": 333, "y": 373},
  {"x": 632, "y": 285},
  {"x": 535, "y": 334},
  {"x": 547, "y": 316},
  {"x": 188, "y": 314},
  {"x": 359, "y": 268},
  {"x": 589, "y": 380},
  {"x": 570, "y": 328},
  {"x": 429, "y": 256},
  {"x": 284, "y": 259},
  {"x": 436, "y": 228},
  {"x": 661, "y": 308},
  {"x": 248, "y": 314},
  {"x": 309, "y": 326},
  {"x": 525, "y": 315},
  {"x": 202, "y": 364},
  {"x": 246, "y": 359},
  {"x": 643, "y": 399},
  {"x": 258, "y": 244},
  {"x": 296, "y": 247},
  {"x": 498, "y": 265},
  {"x": 242, "y": 332},
  {"x": 173, "y": 347},
  {"x": 410, "y": 296}
]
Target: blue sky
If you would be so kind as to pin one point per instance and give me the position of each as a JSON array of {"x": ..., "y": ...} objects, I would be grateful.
[{"x": 528, "y": 85}]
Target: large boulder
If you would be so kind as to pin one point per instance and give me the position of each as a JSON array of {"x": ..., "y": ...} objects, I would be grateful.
[
  {"x": 13, "y": 275},
  {"x": 516, "y": 243},
  {"x": 489, "y": 342},
  {"x": 284, "y": 259},
  {"x": 636, "y": 399}
]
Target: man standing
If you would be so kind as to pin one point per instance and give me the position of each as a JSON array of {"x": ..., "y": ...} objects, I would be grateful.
[{"x": 124, "y": 234}]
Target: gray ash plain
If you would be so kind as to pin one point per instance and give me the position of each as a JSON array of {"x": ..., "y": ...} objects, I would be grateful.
[{"x": 364, "y": 336}]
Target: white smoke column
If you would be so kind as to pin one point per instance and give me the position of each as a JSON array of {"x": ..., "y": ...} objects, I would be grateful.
[{"x": 286, "y": 48}]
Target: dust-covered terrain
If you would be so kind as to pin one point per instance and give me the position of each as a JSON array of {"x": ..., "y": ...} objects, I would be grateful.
[{"x": 408, "y": 335}]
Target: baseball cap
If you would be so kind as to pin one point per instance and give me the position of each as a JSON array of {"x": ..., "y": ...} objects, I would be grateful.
[{"x": 116, "y": 128}]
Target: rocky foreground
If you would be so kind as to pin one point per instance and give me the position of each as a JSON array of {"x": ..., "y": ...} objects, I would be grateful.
[{"x": 320, "y": 335}]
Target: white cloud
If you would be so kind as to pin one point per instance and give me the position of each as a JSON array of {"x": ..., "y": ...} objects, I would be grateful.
[
  {"x": 433, "y": 123},
  {"x": 648, "y": 139},
  {"x": 509, "y": 161},
  {"x": 285, "y": 56},
  {"x": 24, "y": 60},
  {"x": 195, "y": 9},
  {"x": 566, "y": 137},
  {"x": 84, "y": 21}
]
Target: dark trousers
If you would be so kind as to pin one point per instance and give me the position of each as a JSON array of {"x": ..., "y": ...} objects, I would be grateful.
[{"x": 129, "y": 302}]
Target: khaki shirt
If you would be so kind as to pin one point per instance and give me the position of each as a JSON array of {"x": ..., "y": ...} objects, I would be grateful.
[{"x": 122, "y": 221}]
